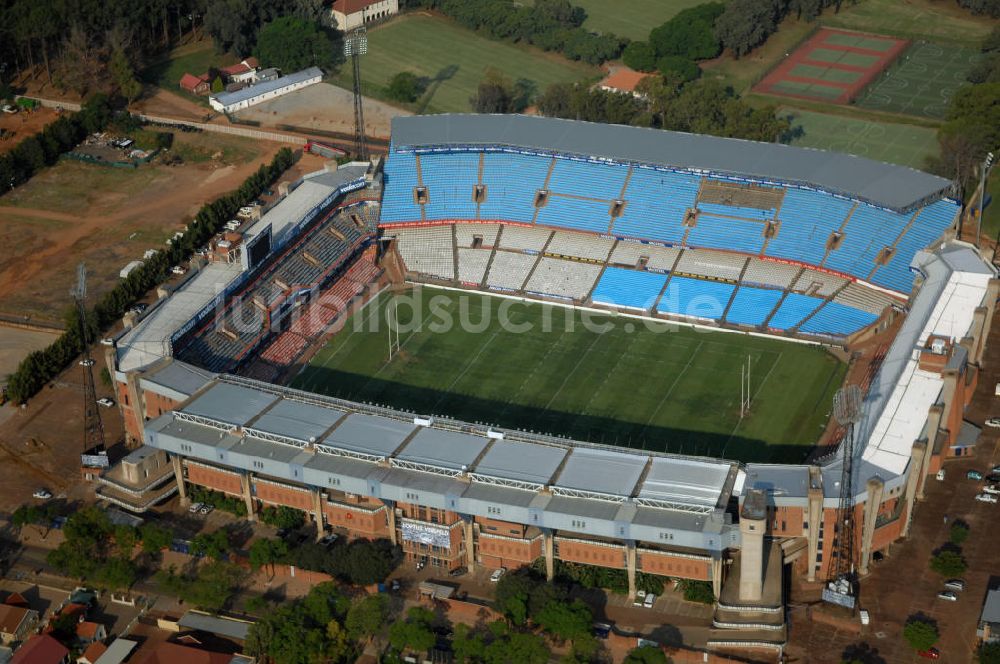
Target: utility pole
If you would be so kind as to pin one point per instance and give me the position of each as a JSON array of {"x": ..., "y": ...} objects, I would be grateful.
[{"x": 984, "y": 175}]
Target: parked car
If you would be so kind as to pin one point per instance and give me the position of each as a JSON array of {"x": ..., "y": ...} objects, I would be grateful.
[
  {"x": 974, "y": 475},
  {"x": 991, "y": 489},
  {"x": 328, "y": 540},
  {"x": 106, "y": 402},
  {"x": 993, "y": 422},
  {"x": 195, "y": 507},
  {"x": 986, "y": 498},
  {"x": 394, "y": 586},
  {"x": 995, "y": 469},
  {"x": 7, "y": 108},
  {"x": 497, "y": 574},
  {"x": 955, "y": 584},
  {"x": 948, "y": 595},
  {"x": 42, "y": 494},
  {"x": 866, "y": 617},
  {"x": 940, "y": 475},
  {"x": 177, "y": 269},
  {"x": 930, "y": 653},
  {"x": 206, "y": 509},
  {"x": 107, "y": 341},
  {"x": 650, "y": 601},
  {"x": 458, "y": 571},
  {"x": 602, "y": 630},
  {"x": 993, "y": 478},
  {"x": 89, "y": 362}
]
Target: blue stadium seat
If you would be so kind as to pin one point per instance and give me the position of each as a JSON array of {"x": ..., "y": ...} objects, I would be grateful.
[
  {"x": 869, "y": 231},
  {"x": 718, "y": 233},
  {"x": 695, "y": 297},
  {"x": 628, "y": 288},
  {"x": 511, "y": 182},
  {"x": 793, "y": 310},
  {"x": 929, "y": 226},
  {"x": 450, "y": 179},
  {"x": 735, "y": 211},
  {"x": 807, "y": 220},
  {"x": 587, "y": 179},
  {"x": 838, "y": 319},
  {"x": 752, "y": 305},
  {"x": 399, "y": 179},
  {"x": 655, "y": 203},
  {"x": 575, "y": 213}
]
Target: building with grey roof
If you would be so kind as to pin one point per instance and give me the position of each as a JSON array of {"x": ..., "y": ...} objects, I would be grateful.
[{"x": 231, "y": 102}]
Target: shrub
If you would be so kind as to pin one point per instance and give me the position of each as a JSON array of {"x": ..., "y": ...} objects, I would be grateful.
[
  {"x": 920, "y": 633},
  {"x": 405, "y": 87},
  {"x": 959, "y": 533},
  {"x": 948, "y": 562},
  {"x": 640, "y": 56},
  {"x": 679, "y": 66},
  {"x": 698, "y": 591}
]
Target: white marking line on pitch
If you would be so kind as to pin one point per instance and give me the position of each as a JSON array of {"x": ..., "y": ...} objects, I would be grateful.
[
  {"x": 677, "y": 379},
  {"x": 468, "y": 365},
  {"x": 570, "y": 374},
  {"x": 374, "y": 311},
  {"x": 607, "y": 376},
  {"x": 530, "y": 376}
]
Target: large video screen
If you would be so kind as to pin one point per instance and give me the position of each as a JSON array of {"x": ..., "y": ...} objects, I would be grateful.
[
  {"x": 259, "y": 248},
  {"x": 425, "y": 533}
]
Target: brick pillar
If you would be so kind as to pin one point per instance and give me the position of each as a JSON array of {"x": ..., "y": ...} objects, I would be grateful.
[
  {"x": 917, "y": 454},
  {"x": 753, "y": 527},
  {"x": 876, "y": 488},
  {"x": 630, "y": 567},
  {"x": 390, "y": 519},
  {"x": 248, "y": 497},
  {"x": 179, "y": 478},
  {"x": 934, "y": 415},
  {"x": 815, "y": 518},
  {"x": 317, "y": 498},
  {"x": 548, "y": 547},
  {"x": 470, "y": 542},
  {"x": 717, "y": 568}
]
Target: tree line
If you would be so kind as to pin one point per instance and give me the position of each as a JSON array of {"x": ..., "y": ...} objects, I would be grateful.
[
  {"x": 44, "y": 148},
  {"x": 552, "y": 25},
  {"x": 41, "y": 366}
]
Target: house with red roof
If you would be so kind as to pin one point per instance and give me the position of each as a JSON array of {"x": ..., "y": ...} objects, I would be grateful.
[
  {"x": 241, "y": 72},
  {"x": 15, "y": 623},
  {"x": 88, "y": 632},
  {"x": 41, "y": 649},
  {"x": 92, "y": 653},
  {"x": 196, "y": 85},
  {"x": 623, "y": 79},
  {"x": 173, "y": 653},
  {"x": 351, "y": 14}
]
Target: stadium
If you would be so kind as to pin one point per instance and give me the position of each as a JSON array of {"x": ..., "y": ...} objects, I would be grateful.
[{"x": 711, "y": 297}]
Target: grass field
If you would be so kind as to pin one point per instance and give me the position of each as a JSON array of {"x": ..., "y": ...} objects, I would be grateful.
[
  {"x": 922, "y": 81},
  {"x": 991, "y": 222},
  {"x": 647, "y": 386},
  {"x": 195, "y": 58},
  {"x": 894, "y": 143},
  {"x": 915, "y": 19},
  {"x": 631, "y": 18},
  {"x": 453, "y": 61}
]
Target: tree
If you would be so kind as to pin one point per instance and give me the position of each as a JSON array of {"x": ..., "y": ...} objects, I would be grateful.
[
  {"x": 155, "y": 537},
  {"x": 467, "y": 645},
  {"x": 405, "y": 87},
  {"x": 646, "y": 655},
  {"x": 948, "y": 562},
  {"x": 989, "y": 8},
  {"x": 566, "y": 621},
  {"x": 698, "y": 591},
  {"x": 745, "y": 24},
  {"x": 920, "y": 633},
  {"x": 971, "y": 129},
  {"x": 283, "y": 516},
  {"x": 518, "y": 648},
  {"x": 367, "y": 616},
  {"x": 209, "y": 587},
  {"x": 495, "y": 93},
  {"x": 989, "y": 653},
  {"x": 214, "y": 544},
  {"x": 640, "y": 56},
  {"x": 292, "y": 44},
  {"x": 959, "y": 533},
  {"x": 689, "y": 33},
  {"x": 679, "y": 66},
  {"x": 119, "y": 573},
  {"x": 123, "y": 76},
  {"x": 415, "y": 632},
  {"x": 267, "y": 552},
  {"x": 512, "y": 594}
]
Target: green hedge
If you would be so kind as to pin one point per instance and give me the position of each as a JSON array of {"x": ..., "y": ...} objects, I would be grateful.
[
  {"x": 217, "y": 499},
  {"x": 41, "y": 366},
  {"x": 592, "y": 576}
]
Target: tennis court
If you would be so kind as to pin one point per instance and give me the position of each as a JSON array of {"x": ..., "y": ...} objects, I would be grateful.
[
  {"x": 922, "y": 81},
  {"x": 832, "y": 66}
]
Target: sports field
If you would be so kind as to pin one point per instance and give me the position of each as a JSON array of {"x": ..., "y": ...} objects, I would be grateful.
[
  {"x": 913, "y": 19},
  {"x": 922, "y": 81},
  {"x": 453, "y": 61},
  {"x": 902, "y": 144},
  {"x": 832, "y": 65},
  {"x": 640, "y": 384},
  {"x": 631, "y": 18}
]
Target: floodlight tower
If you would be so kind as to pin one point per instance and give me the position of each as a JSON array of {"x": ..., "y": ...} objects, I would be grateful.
[
  {"x": 93, "y": 429},
  {"x": 984, "y": 174},
  {"x": 356, "y": 45},
  {"x": 847, "y": 409}
]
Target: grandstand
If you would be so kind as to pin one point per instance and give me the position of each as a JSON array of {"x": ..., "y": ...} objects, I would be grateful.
[{"x": 839, "y": 253}]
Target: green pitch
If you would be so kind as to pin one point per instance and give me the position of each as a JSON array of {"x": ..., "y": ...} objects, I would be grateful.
[{"x": 638, "y": 384}]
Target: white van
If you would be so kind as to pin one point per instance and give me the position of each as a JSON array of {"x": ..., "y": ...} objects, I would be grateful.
[{"x": 865, "y": 616}]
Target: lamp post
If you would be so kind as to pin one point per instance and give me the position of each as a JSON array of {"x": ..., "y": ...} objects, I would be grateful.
[{"x": 984, "y": 174}]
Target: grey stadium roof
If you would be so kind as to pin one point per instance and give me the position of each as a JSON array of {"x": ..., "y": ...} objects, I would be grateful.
[
  {"x": 880, "y": 183},
  {"x": 601, "y": 471},
  {"x": 232, "y": 404},
  {"x": 525, "y": 462},
  {"x": 377, "y": 436},
  {"x": 444, "y": 449},
  {"x": 298, "y": 420}
]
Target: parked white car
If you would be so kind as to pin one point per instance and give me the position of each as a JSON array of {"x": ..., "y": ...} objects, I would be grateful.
[
  {"x": 992, "y": 489},
  {"x": 106, "y": 402},
  {"x": 993, "y": 422},
  {"x": 89, "y": 362},
  {"x": 195, "y": 508},
  {"x": 177, "y": 269},
  {"x": 42, "y": 494},
  {"x": 948, "y": 596},
  {"x": 986, "y": 498},
  {"x": 650, "y": 601},
  {"x": 497, "y": 574}
]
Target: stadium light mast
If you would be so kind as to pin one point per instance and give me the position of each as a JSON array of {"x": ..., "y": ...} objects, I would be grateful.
[
  {"x": 356, "y": 45},
  {"x": 847, "y": 408},
  {"x": 93, "y": 428},
  {"x": 984, "y": 175}
]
